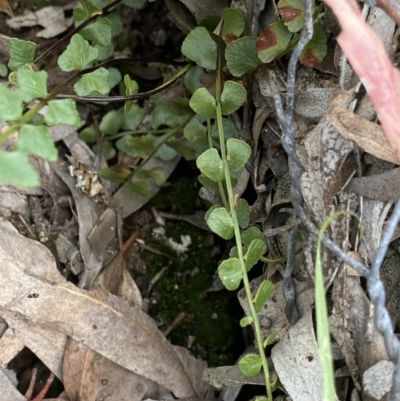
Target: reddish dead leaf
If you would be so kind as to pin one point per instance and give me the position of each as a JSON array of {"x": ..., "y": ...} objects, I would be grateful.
[
  {"x": 6, "y": 8},
  {"x": 367, "y": 56},
  {"x": 289, "y": 13},
  {"x": 310, "y": 60},
  {"x": 230, "y": 38},
  {"x": 266, "y": 40}
]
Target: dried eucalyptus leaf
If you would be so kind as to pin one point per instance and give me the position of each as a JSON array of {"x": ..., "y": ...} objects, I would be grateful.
[
  {"x": 30, "y": 283},
  {"x": 297, "y": 362}
]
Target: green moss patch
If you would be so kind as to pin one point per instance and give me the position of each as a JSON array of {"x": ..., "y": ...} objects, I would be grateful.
[{"x": 182, "y": 288}]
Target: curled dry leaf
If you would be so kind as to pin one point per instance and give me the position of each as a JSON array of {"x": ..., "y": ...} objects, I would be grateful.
[
  {"x": 366, "y": 134},
  {"x": 31, "y": 285},
  {"x": 368, "y": 57}
]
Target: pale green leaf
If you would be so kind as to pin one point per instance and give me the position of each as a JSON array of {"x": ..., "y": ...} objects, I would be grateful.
[
  {"x": 195, "y": 131},
  {"x": 132, "y": 86},
  {"x": 77, "y": 55},
  {"x": 15, "y": 169},
  {"x": 33, "y": 84},
  {"x": 114, "y": 77},
  {"x": 132, "y": 118},
  {"x": 105, "y": 52},
  {"x": 3, "y": 70},
  {"x": 251, "y": 234},
  {"x": 263, "y": 293},
  {"x": 111, "y": 122},
  {"x": 88, "y": 135},
  {"x": 99, "y": 32},
  {"x": 22, "y": 52},
  {"x": 232, "y": 97},
  {"x": 256, "y": 249},
  {"x": 10, "y": 104},
  {"x": 201, "y": 48},
  {"x": 230, "y": 273},
  {"x": 183, "y": 147},
  {"x": 93, "y": 81},
  {"x": 192, "y": 78},
  {"x": 228, "y": 127},
  {"x": 89, "y": 9},
  {"x": 206, "y": 182},
  {"x": 116, "y": 23},
  {"x": 270, "y": 339},
  {"x": 210, "y": 164},
  {"x": 238, "y": 152},
  {"x": 250, "y": 364},
  {"x": 203, "y": 103},
  {"x": 241, "y": 56},
  {"x": 245, "y": 321},
  {"x": 35, "y": 140},
  {"x": 160, "y": 114},
  {"x": 62, "y": 111},
  {"x": 180, "y": 106},
  {"x": 221, "y": 223},
  {"x": 234, "y": 24}
]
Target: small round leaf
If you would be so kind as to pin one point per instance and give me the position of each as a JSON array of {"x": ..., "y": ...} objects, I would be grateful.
[
  {"x": 316, "y": 48},
  {"x": 250, "y": 234},
  {"x": 199, "y": 47},
  {"x": 292, "y": 13},
  {"x": 77, "y": 54},
  {"x": 241, "y": 56},
  {"x": 16, "y": 169},
  {"x": 273, "y": 42},
  {"x": 203, "y": 103},
  {"x": 232, "y": 97},
  {"x": 250, "y": 364},
  {"x": 263, "y": 293},
  {"x": 256, "y": 249},
  {"x": 238, "y": 152},
  {"x": 234, "y": 24},
  {"x": 230, "y": 273},
  {"x": 245, "y": 321},
  {"x": 221, "y": 223},
  {"x": 35, "y": 139},
  {"x": 210, "y": 164}
]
